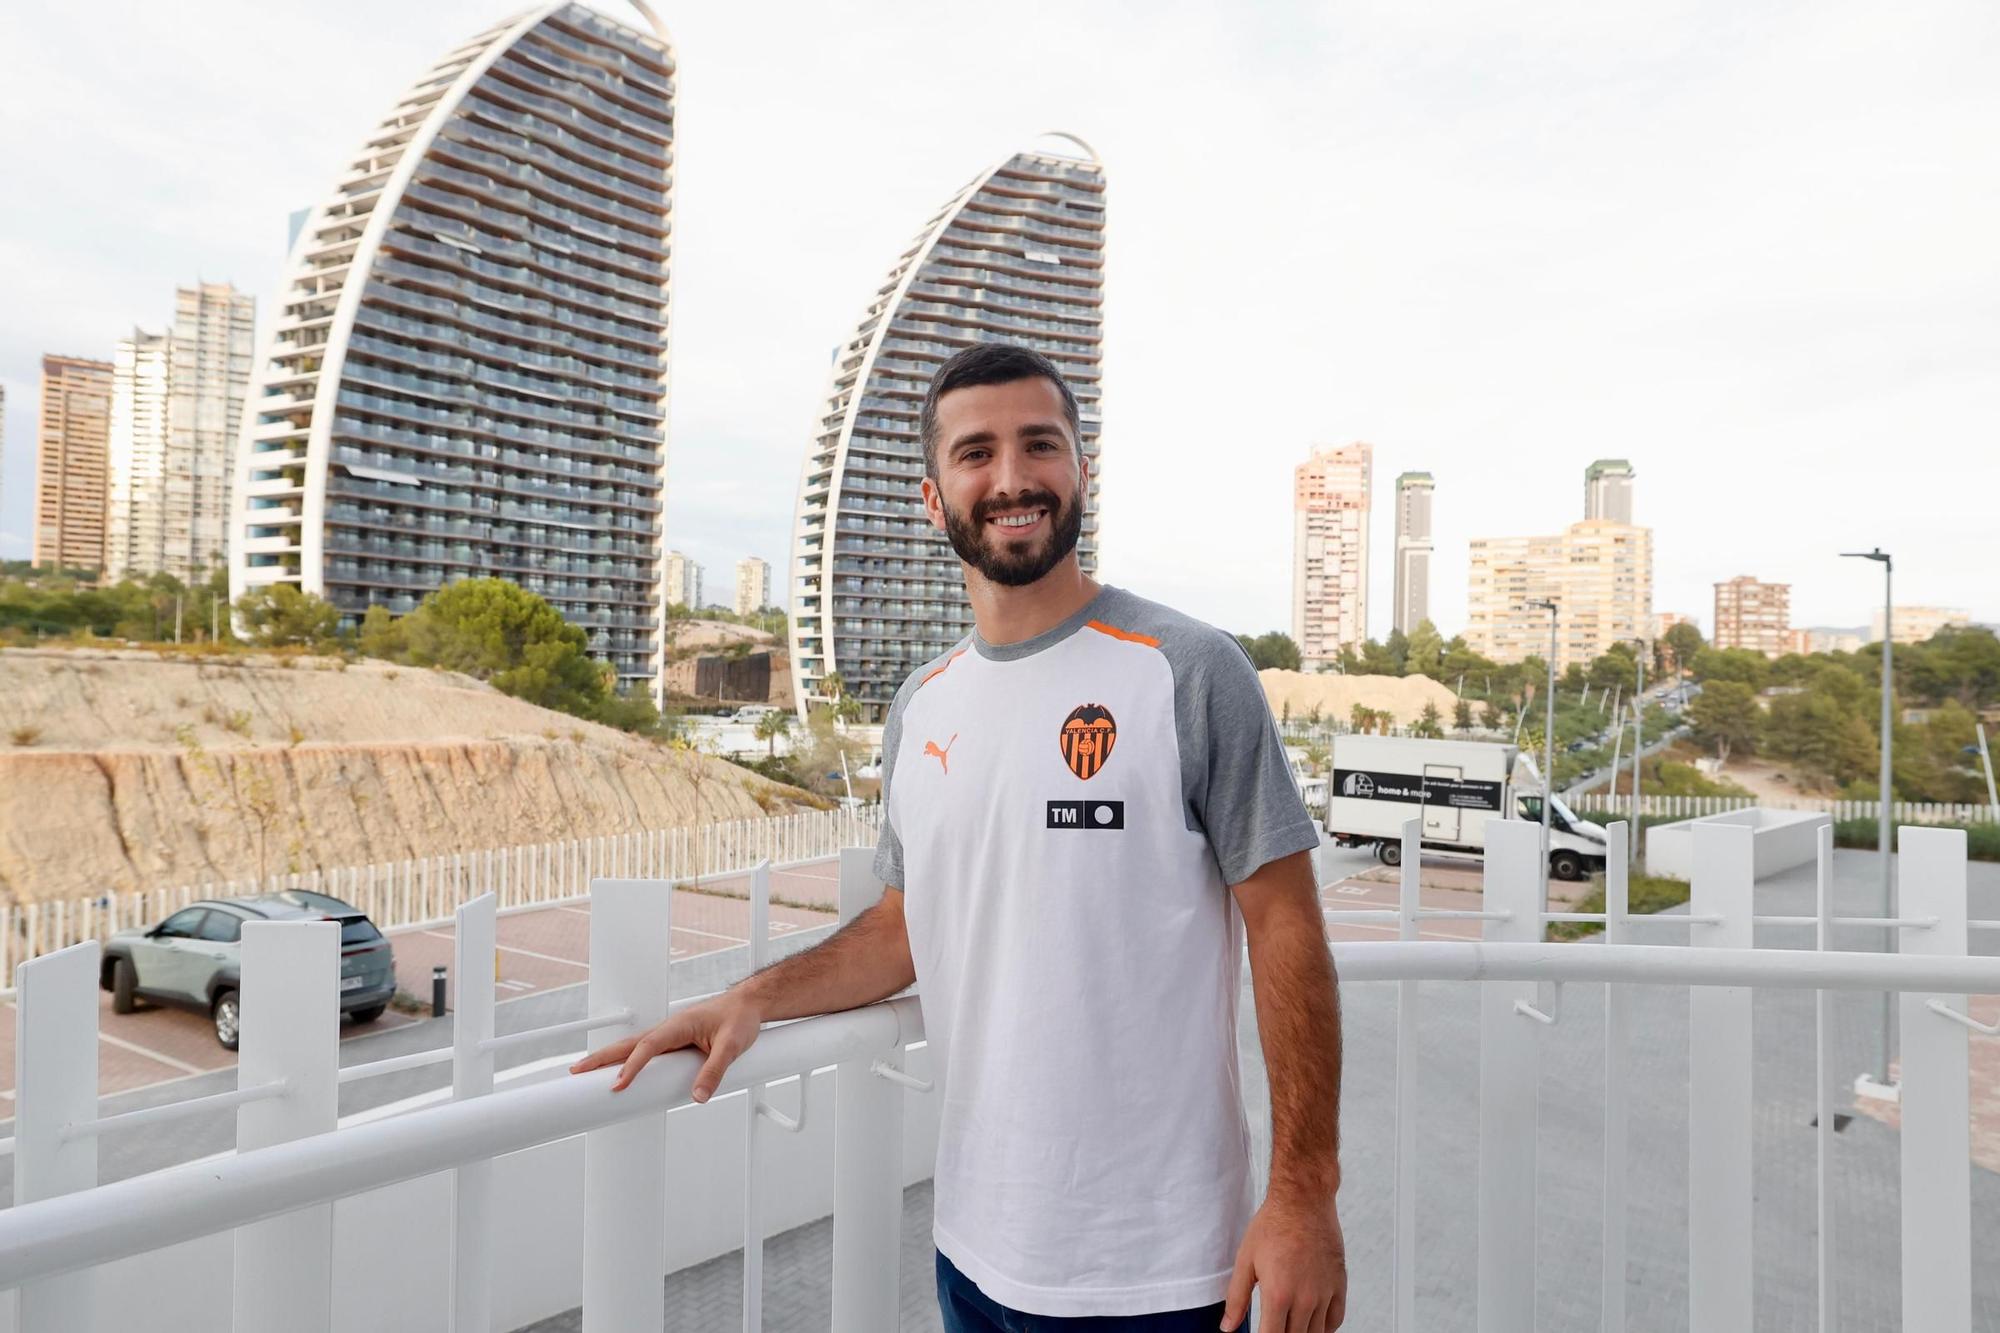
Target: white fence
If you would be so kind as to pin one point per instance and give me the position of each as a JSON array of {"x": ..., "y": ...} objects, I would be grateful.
[
  {"x": 1695, "y": 807},
  {"x": 67, "y": 1235},
  {"x": 396, "y": 894}
]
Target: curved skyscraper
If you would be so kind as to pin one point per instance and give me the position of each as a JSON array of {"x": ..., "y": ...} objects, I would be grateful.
[
  {"x": 1016, "y": 256},
  {"x": 467, "y": 370}
]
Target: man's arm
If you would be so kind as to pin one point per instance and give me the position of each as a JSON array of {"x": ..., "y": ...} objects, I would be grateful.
[
  {"x": 867, "y": 959},
  {"x": 1294, "y": 1250}
]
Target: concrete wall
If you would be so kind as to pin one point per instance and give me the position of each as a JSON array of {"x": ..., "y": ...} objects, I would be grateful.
[
  {"x": 1782, "y": 839},
  {"x": 391, "y": 1246}
]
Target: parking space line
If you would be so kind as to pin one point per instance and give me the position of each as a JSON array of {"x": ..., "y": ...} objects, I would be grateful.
[
  {"x": 575, "y": 911},
  {"x": 733, "y": 939},
  {"x": 525, "y": 953},
  {"x": 137, "y": 1049}
]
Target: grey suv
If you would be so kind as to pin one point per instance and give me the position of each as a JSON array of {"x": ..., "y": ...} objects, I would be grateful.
[{"x": 192, "y": 959}]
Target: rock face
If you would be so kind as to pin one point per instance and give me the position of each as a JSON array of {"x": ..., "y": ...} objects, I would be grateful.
[{"x": 128, "y": 770}]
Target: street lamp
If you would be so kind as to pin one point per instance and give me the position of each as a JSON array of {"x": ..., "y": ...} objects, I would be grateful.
[
  {"x": 1882, "y": 834},
  {"x": 1638, "y": 752},
  {"x": 1549, "y": 740}
]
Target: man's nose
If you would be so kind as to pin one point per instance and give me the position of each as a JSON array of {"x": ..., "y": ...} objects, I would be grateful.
[{"x": 1010, "y": 476}]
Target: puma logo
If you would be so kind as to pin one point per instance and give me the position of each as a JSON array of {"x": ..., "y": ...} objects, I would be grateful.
[{"x": 944, "y": 755}]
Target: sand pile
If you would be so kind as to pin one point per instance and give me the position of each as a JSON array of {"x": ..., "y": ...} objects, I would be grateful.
[{"x": 1403, "y": 697}]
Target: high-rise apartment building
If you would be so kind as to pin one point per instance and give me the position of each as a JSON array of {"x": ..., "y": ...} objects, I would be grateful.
[
  {"x": 137, "y": 454},
  {"x": 71, "y": 445},
  {"x": 466, "y": 373},
  {"x": 1016, "y": 256},
  {"x": 1413, "y": 549},
  {"x": 753, "y": 585},
  {"x": 1607, "y": 490},
  {"x": 683, "y": 581},
  {"x": 1666, "y": 620},
  {"x": 1916, "y": 624},
  {"x": 208, "y": 376},
  {"x": 1599, "y": 574},
  {"x": 1753, "y": 615},
  {"x": 1330, "y": 496}
]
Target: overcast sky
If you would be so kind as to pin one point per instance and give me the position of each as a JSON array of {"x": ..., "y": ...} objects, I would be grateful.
[{"x": 1749, "y": 246}]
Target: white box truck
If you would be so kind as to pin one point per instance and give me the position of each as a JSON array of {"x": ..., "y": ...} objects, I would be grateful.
[{"x": 1456, "y": 786}]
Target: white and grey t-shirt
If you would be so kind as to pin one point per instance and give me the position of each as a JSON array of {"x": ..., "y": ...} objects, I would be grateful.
[{"x": 1065, "y": 815}]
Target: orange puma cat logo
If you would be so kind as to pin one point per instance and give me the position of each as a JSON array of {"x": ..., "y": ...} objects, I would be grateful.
[{"x": 944, "y": 755}]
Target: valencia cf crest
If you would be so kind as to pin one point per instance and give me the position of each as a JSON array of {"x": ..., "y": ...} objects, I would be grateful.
[{"x": 1088, "y": 734}]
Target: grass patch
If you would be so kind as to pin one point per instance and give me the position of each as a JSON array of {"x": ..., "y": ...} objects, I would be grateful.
[
  {"x": 1646, "y": 895},
  {"x": 1982, "y": 841}
]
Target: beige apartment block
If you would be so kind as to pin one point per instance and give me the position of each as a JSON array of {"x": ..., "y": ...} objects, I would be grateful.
[
  {"x": 753, "y": 585},
  {"x": 1599, "y": 574},
  {"x": 1413, "y": 549},
  {"x": 683, "y": 581},
  {"x": 1666, "y": 620},
  {"x": 1330, "y": 493},
  {"x": 1754, "y": 615},
  {"x": 71, "y": 447},
  {"x": 1915, "y": 624}
]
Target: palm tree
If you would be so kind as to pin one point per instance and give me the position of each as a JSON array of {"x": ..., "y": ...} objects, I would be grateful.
[{"x": 771, "y": 726}]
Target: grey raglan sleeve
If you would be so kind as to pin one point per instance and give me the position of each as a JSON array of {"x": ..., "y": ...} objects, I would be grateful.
[
  {"x": 1236, "y": 779},
  {"x": 888, "y": 846}
]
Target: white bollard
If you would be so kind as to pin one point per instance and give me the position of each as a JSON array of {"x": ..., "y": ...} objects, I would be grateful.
[
  {"x": 290, "y": 1032},
  {"x": 624, "y": 1166},
  {"x": 55, "y": 1080},
  {"x": 475, "y": 958},
  {"x": 1936, "y": 1092},
  {"x": 1719, "y": 1104},
  {"x": 867, "y": 1159},
  {"x": 1509, "y": 1082}
]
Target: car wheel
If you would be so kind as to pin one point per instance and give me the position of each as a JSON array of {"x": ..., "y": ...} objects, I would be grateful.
[
  {"x": 124, "y": 986},
  {"x": 1391, "y": 853},
  {"x": 228, "y": 1020},
  {"x": 368, "y": 1013},
  {"x": 1566, "y": 865}
]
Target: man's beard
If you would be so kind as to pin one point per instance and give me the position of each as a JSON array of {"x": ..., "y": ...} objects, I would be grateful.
[{"x": 1017, "y": 563}]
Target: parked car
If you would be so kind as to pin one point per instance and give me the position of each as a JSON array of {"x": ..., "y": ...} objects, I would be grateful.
[
  {"x": 192, "y": 960},
  {"x": 752, "y": 713}
]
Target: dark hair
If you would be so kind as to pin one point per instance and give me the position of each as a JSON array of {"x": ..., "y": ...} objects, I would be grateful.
[{"x": 991, "y": 363}]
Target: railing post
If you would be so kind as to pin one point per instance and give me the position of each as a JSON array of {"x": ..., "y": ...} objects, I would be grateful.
[
  {"x": 291, "y": 1032},
  {"x": 1405, "y": 1256},
  {"x": 55, "y": 1045},
  {"x": 1719, "y": 1103},
  {"x": 625, "y": 1165},
  {"x": 475, "y": 937},
  {"x": 867, "y": 1160},
  {"x": 1509, "y": 1080},
  {"x": 1936, "y": 1093},
  {"x": 1825, "y": 1082},
  {"x": 1617, "y": 1074},
  {"x": 753, "y": 1100}
]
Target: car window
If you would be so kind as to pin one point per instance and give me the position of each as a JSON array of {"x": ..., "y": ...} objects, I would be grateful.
[
  {"x": 184, "y": 924},
  {"x": 358, "y": 930},
  {"x": 222, "y": 927}
]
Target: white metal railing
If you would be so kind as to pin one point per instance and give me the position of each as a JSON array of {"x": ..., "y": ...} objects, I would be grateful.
[
  {"x": 276, "y": 1192},
  {"x": 1694, "y": 807},
  {"x": 419, "y": 890}
]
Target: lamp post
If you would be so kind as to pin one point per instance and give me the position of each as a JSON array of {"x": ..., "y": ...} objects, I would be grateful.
[
  {"x": 1882, "y": 832},
  {"x": 1548, "y": 742},
  {"x": 1638, "y": 751}
]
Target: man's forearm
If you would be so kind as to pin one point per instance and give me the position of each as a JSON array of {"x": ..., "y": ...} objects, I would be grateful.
[
  {"x": 866, "y": 960},
  {"x": 1298, "y": 1021}
]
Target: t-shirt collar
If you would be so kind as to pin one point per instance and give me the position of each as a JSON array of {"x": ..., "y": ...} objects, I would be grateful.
[{"x": 1048, "y": 638}]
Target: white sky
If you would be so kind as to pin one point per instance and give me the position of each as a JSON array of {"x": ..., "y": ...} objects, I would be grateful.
[{"x": 1750, "y": 246}]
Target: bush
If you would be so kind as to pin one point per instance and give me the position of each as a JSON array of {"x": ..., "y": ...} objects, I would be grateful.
[
  {"x": 1645, "y": 895},
  {"x": 1982, "y": 841}
]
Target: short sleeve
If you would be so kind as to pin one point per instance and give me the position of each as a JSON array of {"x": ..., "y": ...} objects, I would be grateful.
[
  {"x": 888, "y": 845},
  {"x": 1235, "y": 775}
]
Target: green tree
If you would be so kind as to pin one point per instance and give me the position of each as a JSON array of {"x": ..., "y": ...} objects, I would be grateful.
[
  {"x": 1397, "y": 645},
  {"x": 1725, "y": 716},
  {"x": 279, "y": 615},
  {"x": 1744, "y": 666},
  {"x": 382, "y": 635},
  {"x": 1619, "y": 665},
  {"x": 501, "y": 633},
  {"x": 771, "y": 726},
  {"x": 1683, "y": 641},
  {"x": 1430, "y": 723},
  {"x": 1272, "y": 651},
  {"x": 1816, "y": 732},
  {"x": 1378, "y": 660},
  {"x": 1461, "y": 716},
  {"x": 1425, "y": 655},
  {"x": 1491, "y": 717}
]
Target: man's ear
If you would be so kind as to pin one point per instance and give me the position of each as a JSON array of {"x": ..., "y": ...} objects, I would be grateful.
[{"x": 933, "y": 504}]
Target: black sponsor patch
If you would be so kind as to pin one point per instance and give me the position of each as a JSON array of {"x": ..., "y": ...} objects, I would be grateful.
[
  {"x": 1086, "y": 814},
  {"x": 1453, "y": 793}
]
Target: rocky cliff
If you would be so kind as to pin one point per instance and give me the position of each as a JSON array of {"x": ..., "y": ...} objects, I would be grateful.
[{"x": 133, "y": 769}]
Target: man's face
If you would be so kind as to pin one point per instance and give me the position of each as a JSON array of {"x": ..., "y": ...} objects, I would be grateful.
[{"x": 1010, "y": 482}]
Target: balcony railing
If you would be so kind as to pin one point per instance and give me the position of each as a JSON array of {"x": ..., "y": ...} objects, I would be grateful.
[{"x": 277, "y": 1192}]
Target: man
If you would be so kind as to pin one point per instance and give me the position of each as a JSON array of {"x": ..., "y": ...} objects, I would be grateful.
[{"x": 1087, "y": 808}]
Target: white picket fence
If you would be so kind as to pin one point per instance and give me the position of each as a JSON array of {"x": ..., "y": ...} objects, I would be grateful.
[
  {"x": 1694, "y": 807},
  {"x": 397, "y": 894}
]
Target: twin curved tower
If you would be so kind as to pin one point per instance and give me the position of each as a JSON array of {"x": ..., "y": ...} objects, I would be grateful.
[
  {"x": 467, "y": 372},
  {"x": 1016, "y": 256}
]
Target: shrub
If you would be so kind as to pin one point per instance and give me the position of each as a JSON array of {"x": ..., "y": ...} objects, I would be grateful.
[
  {"x": 1982, "y": 841},
  {"x": 25, "y": 735},
  {"x": 1645, "y": 895}
]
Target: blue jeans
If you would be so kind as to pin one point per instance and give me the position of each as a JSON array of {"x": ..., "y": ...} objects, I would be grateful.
[{"x": 967, "y": 1309}]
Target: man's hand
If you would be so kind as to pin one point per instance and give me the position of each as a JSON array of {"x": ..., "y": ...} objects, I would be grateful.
[
  {"x": 1295, "y": 1253},
  {"x": 721, "y": 1028}
]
